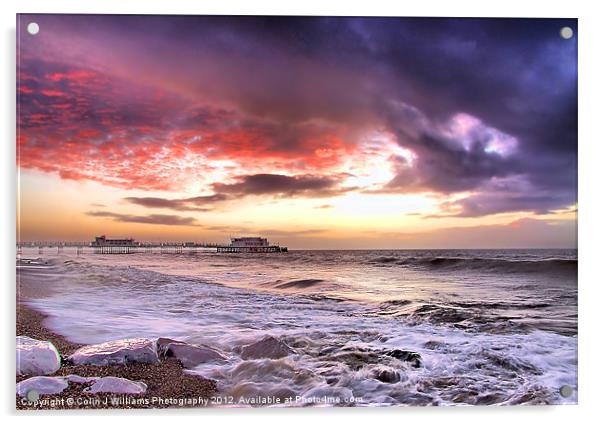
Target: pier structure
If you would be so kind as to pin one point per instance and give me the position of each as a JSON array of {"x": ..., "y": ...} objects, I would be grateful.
[
  {"x": 250, "y": 245},
  {"x": 266, "y": 249},
  {"x": 115, "y": 249},
  {"x": 104, "y": 245}
]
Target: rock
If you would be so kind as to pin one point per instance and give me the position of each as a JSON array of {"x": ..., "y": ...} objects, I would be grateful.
[
  {"x": 189, "y": 355},
  {"x": 116, "y": 352},
  {"x": 72, "y": 378},
  {"x": 42, "y": 385},
  {"x": 357, "y": 357},
  {"x": 268, "y": 347},
  {"x": 36, "y": 357},
  {"x": 117, "y": 385},
  {"x": 386, "y": 375},
  {"x": 434, "y": 345},
  {"x": 356, "y": 360},
  {"x": 406, "y": 356},
  {"x": 163, "y": 343}
]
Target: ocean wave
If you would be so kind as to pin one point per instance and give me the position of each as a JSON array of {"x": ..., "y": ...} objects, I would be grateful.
[
  {"x": 299, "y": 284},
  {"x": 502, "y": 305},
  {"x": 483, "y": 264},
  {"x": 469, "y": 352},
  {"x": 474, "y": 317}
]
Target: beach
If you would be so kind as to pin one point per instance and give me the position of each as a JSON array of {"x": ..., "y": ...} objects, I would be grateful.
[
  {"x": 166, "y": 380},
  {"x": 307, "y": 328}
]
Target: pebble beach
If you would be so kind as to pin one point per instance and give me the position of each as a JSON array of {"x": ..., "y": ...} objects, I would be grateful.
[{"x": 167, "y": 382}]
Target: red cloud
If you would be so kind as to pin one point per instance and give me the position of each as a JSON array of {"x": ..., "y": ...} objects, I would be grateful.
[
  {"x": 53, "y": 93},
  {"x": 84, "y": 125},
  {"x": 79, "y": 76}
]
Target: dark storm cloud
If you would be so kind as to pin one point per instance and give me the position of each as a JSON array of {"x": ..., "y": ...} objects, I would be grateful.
[
  {"x": 490, "y": 203},
  {"x": 281, "y": 186},
  {"x": 146, "y": 219},
  {"x": 516, "y": 76},
  {"x": 284, "y": 186},
  {"x": 410, "y": 77},
  {"x": 198, "y": 203},
  {"x": 458, "y": 156}
]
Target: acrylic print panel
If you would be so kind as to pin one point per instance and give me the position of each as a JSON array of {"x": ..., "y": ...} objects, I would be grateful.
[{"x": 232, "y": 211}]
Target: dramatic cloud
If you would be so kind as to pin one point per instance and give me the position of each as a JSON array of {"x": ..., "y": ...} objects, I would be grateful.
[
  {"x": 290, "y": 101},
  {"x": 146, "y": 219},
  {"x": 187, "y": 204},
  {"x": 275, "y": 185},
  {"x": 284, "y": 186},
  {"x": 508, "y": 195},
  {"x": 127, "y": 135},
  {"x": 458, "y": 156},
  {"x": 491, "y": 203}
]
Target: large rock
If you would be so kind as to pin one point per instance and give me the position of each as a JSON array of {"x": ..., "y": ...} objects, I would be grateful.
[
  {"x": 386, "y": 375},
  {"x": 73, "y": 378},
  {"x": 117, "y": 385},
  {"x": 163, "y": 343},
  {"x": 189, "y": 355},
  {"x": 408, "y": 356},
  {"x": 268, "y": 347},
  {"x": 42, "y": 385},
  {"x": 116, "y": 352},
  {"x": 36, "y": 357},
  {"x": 357, "y": 357}
]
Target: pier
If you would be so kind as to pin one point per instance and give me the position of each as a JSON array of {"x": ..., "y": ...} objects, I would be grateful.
[{"x": 104, "y": 245}]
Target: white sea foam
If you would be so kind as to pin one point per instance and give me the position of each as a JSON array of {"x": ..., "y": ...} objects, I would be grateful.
[{"x": 470, "y": 354}]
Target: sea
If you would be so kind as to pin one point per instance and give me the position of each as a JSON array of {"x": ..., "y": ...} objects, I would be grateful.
[{"x": 492, "y": 327}]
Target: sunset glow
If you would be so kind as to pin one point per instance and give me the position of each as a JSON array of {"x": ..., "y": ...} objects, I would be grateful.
[{"x": 317, "y": 133}]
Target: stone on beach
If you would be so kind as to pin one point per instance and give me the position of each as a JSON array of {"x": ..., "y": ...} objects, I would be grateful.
[
  {"x": 268, "y": 347},
  {"x": 73, "y": 378},
  {"x": 117, "y": 352},
  {"x": 42, "y": 385},
  {"x": 163, "y": 343},
  {"x": 189, "y": 355},
  {"x": 117, "y": 385},
  {"x": 386, "y": 375},
  {"x": 357, "y": 357},
  {"x": 36, "y": 357},
  {"x": 412, "y": 358}
]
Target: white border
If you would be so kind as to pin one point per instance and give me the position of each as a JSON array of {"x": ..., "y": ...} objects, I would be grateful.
[{"x": 590, "y": 213}]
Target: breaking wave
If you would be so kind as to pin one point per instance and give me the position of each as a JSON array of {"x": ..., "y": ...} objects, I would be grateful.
[
  {"x": 394, "y": 332},
  {"x": 299, "y": 284},
  {"x": 484, "y": 264}
]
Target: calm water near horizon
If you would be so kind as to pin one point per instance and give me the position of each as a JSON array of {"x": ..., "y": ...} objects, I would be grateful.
[{"x": 492, "y": 326}]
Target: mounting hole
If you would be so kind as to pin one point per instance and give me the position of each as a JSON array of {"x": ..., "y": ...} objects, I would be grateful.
[
  {"x": 566, "y": 33},
  {"x": 566, "y": 391},
  {"x": 33, "y": 28},
  {"x": 32, "y": 395}
]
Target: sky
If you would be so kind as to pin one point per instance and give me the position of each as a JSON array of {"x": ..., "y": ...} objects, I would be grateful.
[{"x": 316, "y": 132}]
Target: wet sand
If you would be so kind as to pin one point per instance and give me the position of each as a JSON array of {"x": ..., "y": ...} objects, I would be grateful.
[{"x": 167, "y": 380}]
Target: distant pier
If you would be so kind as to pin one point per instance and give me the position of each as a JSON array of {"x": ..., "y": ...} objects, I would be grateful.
[
  {"x": 104, "y": 245},
  {"x": 250, "y": 245}
]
